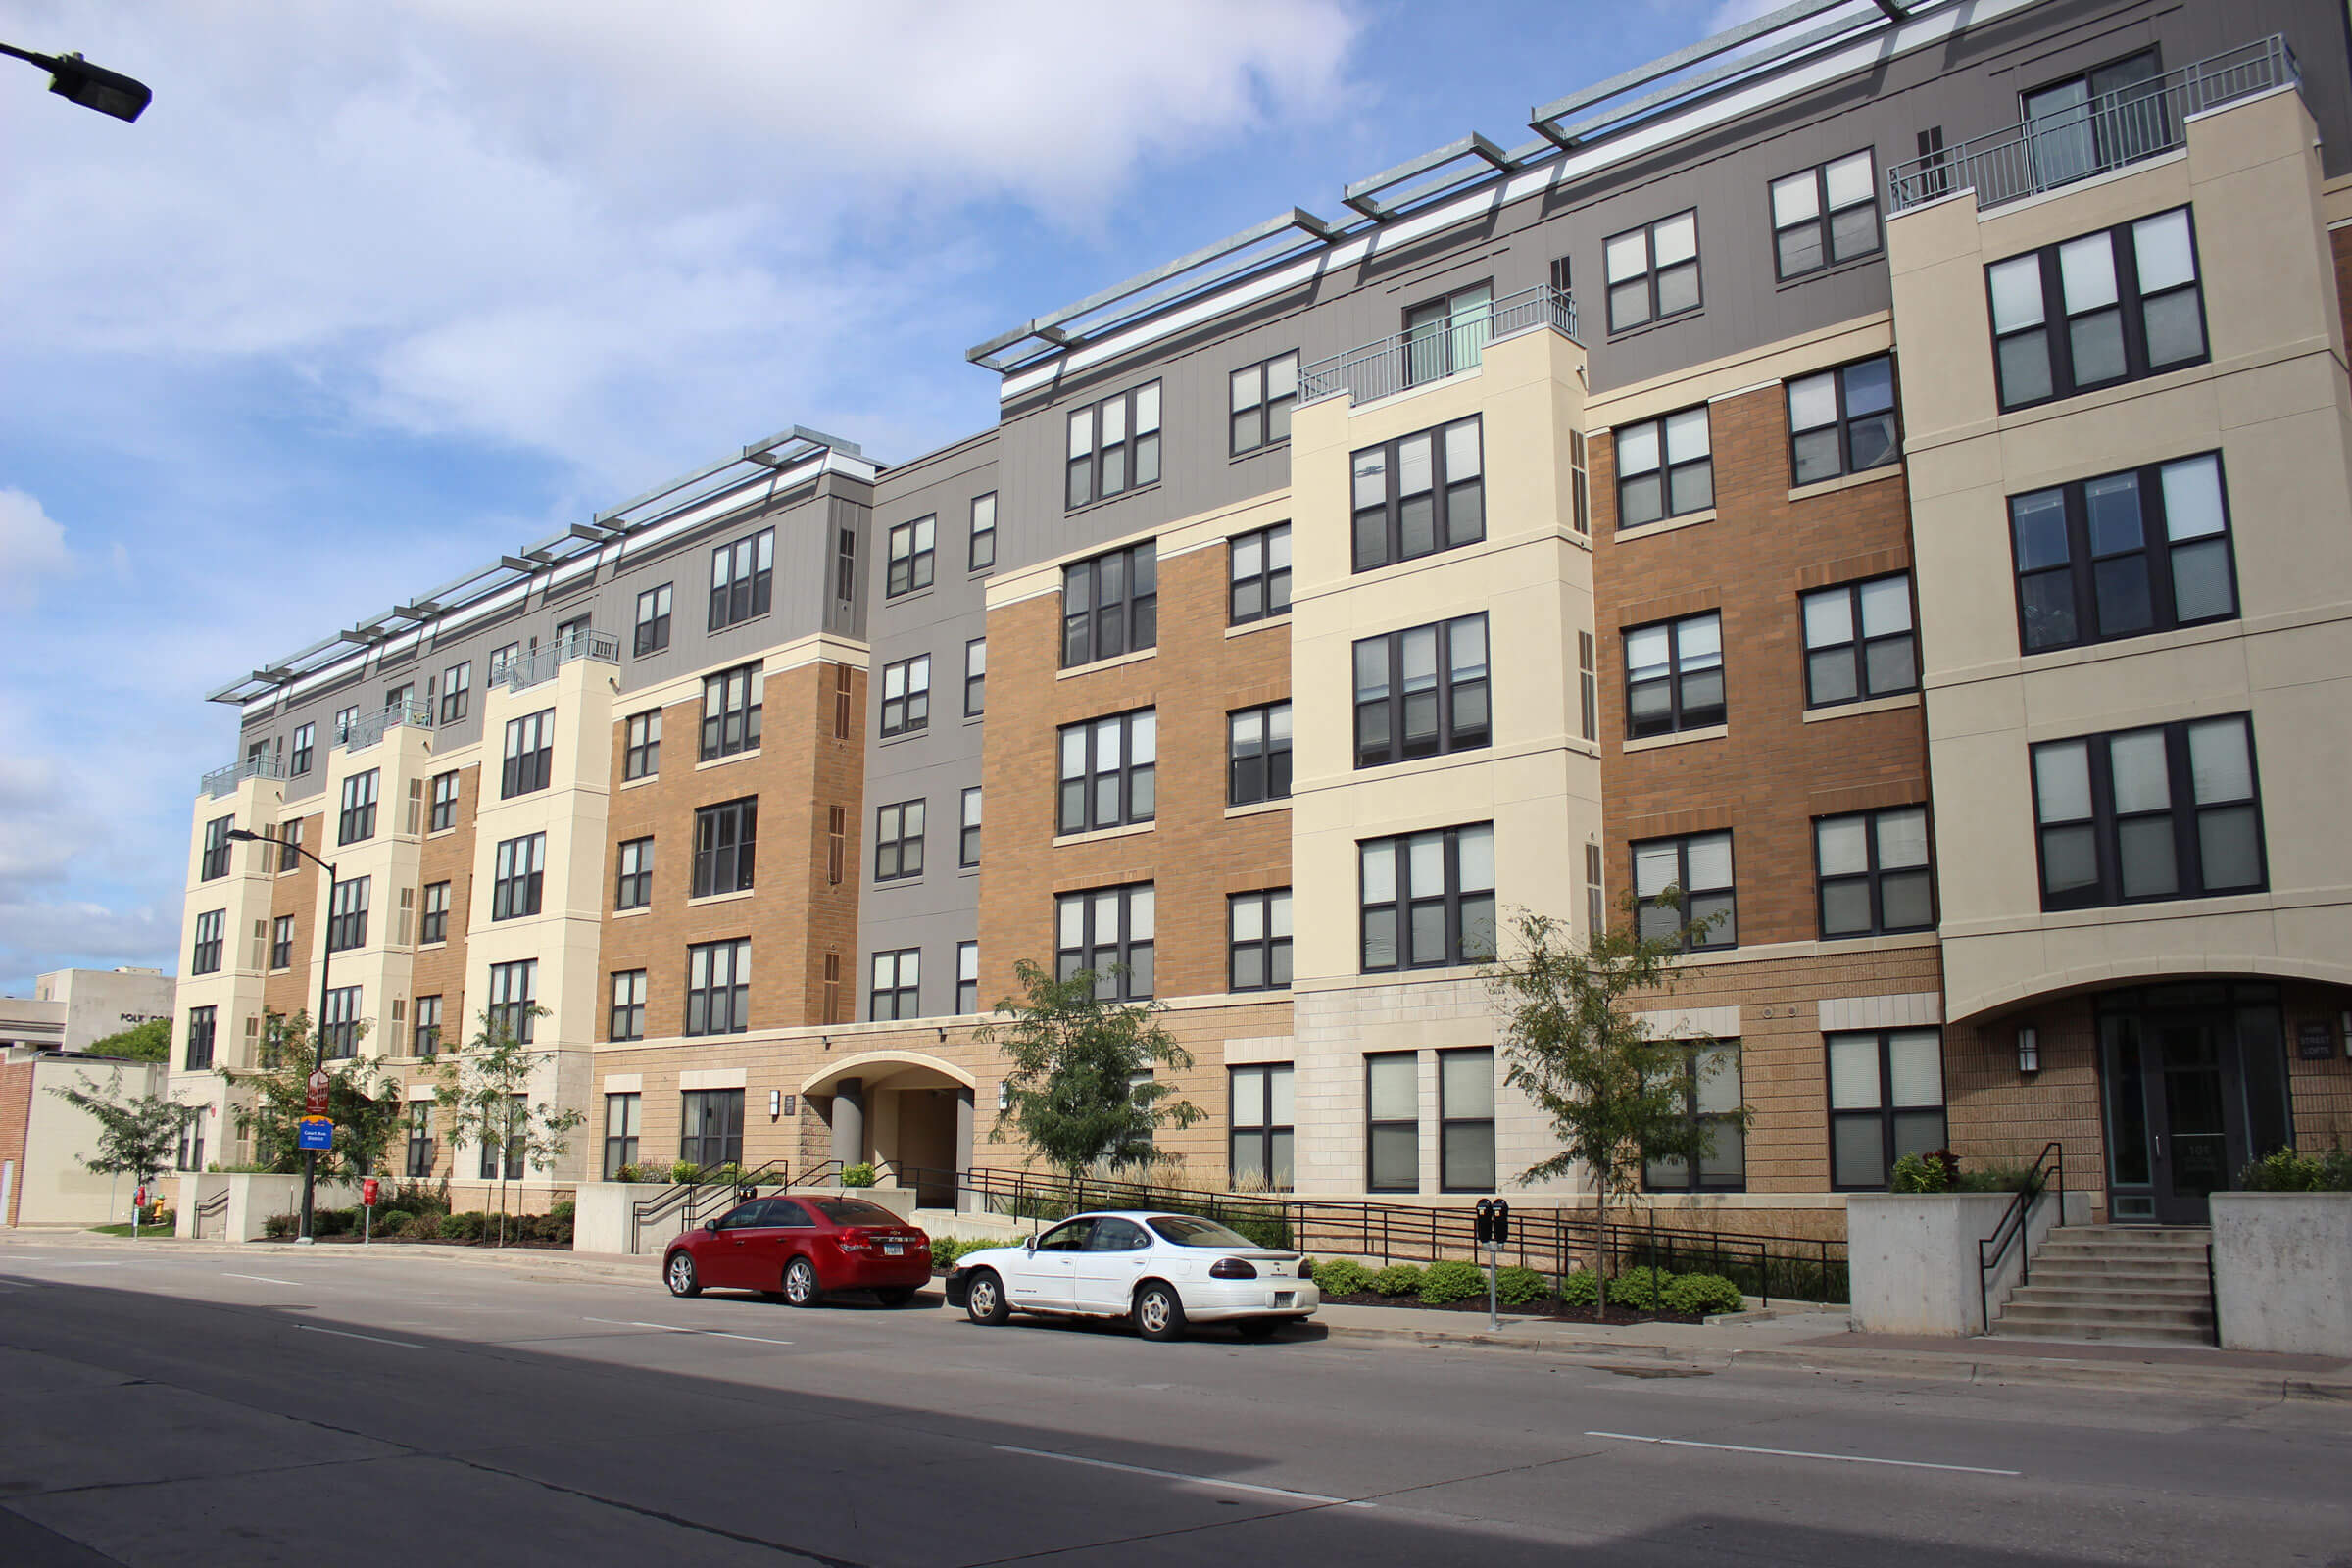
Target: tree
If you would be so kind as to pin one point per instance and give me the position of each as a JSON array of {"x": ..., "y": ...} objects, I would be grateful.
[
  {"x": 363, "y": 1100},
  {"x": 1071, "y": 1091},
  {"x": 137, "y": 1138},
  {"x": 141, "y": 1042},
  {"x": 1615, "y": 1095},
  {"x": 486, "y": 1095}
]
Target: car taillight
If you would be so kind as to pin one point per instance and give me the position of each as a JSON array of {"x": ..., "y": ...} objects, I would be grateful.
[
  {"x": 1233, "y": 1268},
  {"x": 854, "y": 1242}
]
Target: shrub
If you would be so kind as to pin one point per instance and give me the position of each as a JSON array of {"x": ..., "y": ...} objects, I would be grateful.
[
  {"x": 858, "y": 1175},
  {"x": 1999, "y": 1179},
  {"x": 1454, "y": 1281},
  {"x": 1579, "y": 1288},
  {"x": 465, "y": 1227},
  {"x": 419, "y": 1198},
  {"x": 685, "y": 1171},
  {"x": 1637, "y": 1290},
  {"x": 391, "y": 1222},
  {"x": 1920, "y": 1173},
  {"x": 1521, "y": 1287},
  {"x": 334, "y": 1221},
  {"x": 563, "y": 1211},
  {"x": 425, "y": 1227},
  {"x": 2284, "y": 1170},
  {"x": 277, "y": 1225},
  {"x": 1398, "y": 1279},
  {"x": 1700, "y": 1294},
  {"x": 1341, "y": 1276},
  {"x": 948, "y": 1250}
]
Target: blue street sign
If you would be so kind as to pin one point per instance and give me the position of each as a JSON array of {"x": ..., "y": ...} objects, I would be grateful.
[{"x": 316, "y": 1131}]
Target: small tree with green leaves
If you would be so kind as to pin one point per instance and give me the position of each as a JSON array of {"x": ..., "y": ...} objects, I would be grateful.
[
  {"x": 141, "y": 1042},
  {"x": 1614, "y": 1094},
  {"x": 363, "y": 1100},
  {"x": 1070, "y": 1089},
  {"x": 486, "y": 1095},
  {"x": 137, "y": 1138}
]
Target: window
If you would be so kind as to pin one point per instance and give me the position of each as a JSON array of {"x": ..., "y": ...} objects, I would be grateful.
[
  {"x": 435, "y": 925},
  {"x": 2098, "y": 120},
  {"x": 1263, "y": 395},
  {"x": 428, "y": 1026},
  {"x": 623, "y": 1116},
  {"x": 281, "y": 942},
  {"x": 518, "y": 875},
  {"x": 514, "y": 1149},
  {"x": 1597, "y": 918},
  {"x": 899, "y": 841},
  {"x": 445, "y": 802},
  {"x": 345, "y": 718},
  {"x": 1825, "y": 214},
  {"x": 457, "y": 691},
  {"x": 1257, "y": 941},
  {"x": 1104, "y": 927},
  {"x": 572, "y": 635},
  {"x": 214, "y": 863},
  {"x": 1421, "y": 690},
  {"x": 514, "y": 998},
  {"x": 898, "y": 985},
  {"x": 1653, "y": 270},
  {"x": 911, "y": 556},
  {"x": 967, "y": 977},
  {"x": 1872, "y": 869},
  {"x": 259, "y": 957},
  {"x": 1115, "y": 445},
  {"x": 1665, "y": 468},
  {"x": 531, "y": 753},
  {"x": 836, "y": 839},
  {"x": 711, "y": 1129},
  {"x": 1466, "y": 1121},
  {"x": 1674, "y": 675},
  {"x": 641, "y": 749},
  {"x": 907, "y": 695},
  {"x": 1260, "y": 567},
  {"x": 1711, "y": 1100},
  {"x": 2167, "y": 813},
  {"x": 1110, "y": 605},
  {"x": 968, "y": 849},
  {"x": 719, "y": 987},
  {"x": 1842, "y": 421},
  {"x": 2123, "y": 555},
  {"x": 731, "y": 703},
  {"x": 1419, "y": 493},
  {"x": 633, "y": 875},
  {"x": 843, "y": 721},
  {"x": 202, "y": 1023},
  {"x": 1109, "y": 772},
  {"x": 1261, "y": 1123},
  {"x": 844, "y": 568},
  {"x": 1587, "y": 685},
  {"x": 983, "y": 554},
  {"x": 289, "y": 845},
  {"x": 1257, "y": 755},
  {"x": 357, "y": 821},
  {"x": 339, "y": 1034},
  {"x": 976, "y": 677},
  {"x": 627, "y": 1019},
  {"x": 652, "y": 621},
  {"x": 725, "y": 838},
  {"x": 1447, "y": 336},
  {"x": 741, "y": 579},
  {"x": 1428, "y": 899},
  {"x": 1700, "y": 868},
  {"x": 421, "y": 1152},
  {"x": 502, "y": 661},
  {"x": 1859, "y": 641},
  {"x": 305, "y": 738},
  {"x": 347, "y": 915},
  {"x": 2109, "y": 307},
  {"x": 1393, "y": 1123},
  {"x": 1886, "y": 1102}
]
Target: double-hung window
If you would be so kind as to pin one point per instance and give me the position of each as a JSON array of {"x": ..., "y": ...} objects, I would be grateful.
[
  {"x": 641, "y": 750},
  {"x": 1419, "y": 493},
  {"x": 281, "y": 942},
  {"x": 513, "y": 1007},
  {"x": 1665, "y": 468},
  {"x": 1466, "y": 1120},
  {"x": 1263, "y": 1127},
  {"x": 1257, "y": 755},
  {"x": 358, "y": 819},
  {"x": 898, "y": 987},
  {"x": 627, "y": 1019},
  {"x": 1825, "y": 214},
  {"x": 1859, "y": 641},
  {"x": 506, "y": 1146},
  {"x": 1257, "y": 941},
  {"x": 1588, "y": 686},
  {"x": 530, "y": 755},
  {"x": 711, "y": 1128},
  {"x": 347, "y": 915},
  {"x": 913, "y": 555},
  {"x": 967, "y": 848},
  {"x": 1102, "y": 928},
  {"x": 1115, "y": 445},
  {"x": 457, "y": 691},
  {"x": 725, "y": 838},
  {"x": 1886, "y": 1102},
  {"x": 1674, "y": 675},
  {"x": 633, "y": 875},
  {"x": 1697, "y": 868},
  {"x": 731, "y": 703},
  {"x": 517, "y": 876},
  {"x": 433, "y": 925},
  {"x": 1392, "y": 1122},
  {"x": 652, "y": 621},
  {"x": 1422, "y": 691},
  {"x": 1109, "y": 771},
  {"x": 421, "y": 1153},
  {"x": 2123, "y": 555},
  {"x": 742, "y": 578},
  {"x": 339, "y": 1033},
  {"x": 203, "y": 1025},
  {"x": 982, "y": 556},
  {"x": 967, "y": 977},
  {"x": 899, "y": 841},
  {"x": 1110, "y": 605},
  {"x": 445, "y": 802},
  {"x": 625, "y": 1120},
  {"x": 1709, "y": 1077},
  {"x": 426, "y": 1041},
  {"x": 976, "y": 677},
  {"x": 1872, "y": 872},
  {"x": 718, "y": 988},
  {"x": 1263, "y": 395},
  {"x": 1259, "y": 565},
  {"x": 907, "y": 695},
  {"x": 214, "y": 863},
  {"x": 1652, "y": 271},
  {"x": 1842, "y": 421},
  {"x": 1428, "y": 899},
  {"x": 305, "y": 737},
  {"x": 2170, "y": 812},
  {"x": 2114, "y": 306},
  {"x": 289, "y": 842},
  {"x": 204, "y": 955}
]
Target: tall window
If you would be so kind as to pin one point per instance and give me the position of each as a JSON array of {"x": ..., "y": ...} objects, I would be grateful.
[
  {"x": 203, "y": 1024},
  {"x": 339, "y": 1034},
  {"x": 531, "y": 757},
  {"x": 305, "y": 737},
  {"x": 1115, "y": 445},
  {"x": 2098, "y": 119},
  {"x": 1419, "y": 493},
  {"x": 1449, "y": 335},
  {"x": 1886, "y": 1102},
  {"x": 427, "y": 1039},
  {"x": 710, "y": 1127},
  {"x": 1263, "y": 395},
  {"x": 1665, "y": 468},
  {"x": 347, "y": 915},
  {"x": 1859, "y": 641},
  {"x": 433, "y": 926},
  {"x": 514, "y": 998},
  {"x": 290, "y": 840},
  {"x": 1428, "y": 899},
  {"x": 983, "y": 555},
  {"x": 1257, "y": 755},
  {"x": 1466, "y": 1121},
  {"x": 457, "y": 691},
  {"x": 719, "y": 987},
  {"x": 967, "y": 848},
  {"x": 281, "y": 942},
  {"x": 358, "y": 819},
  {"x": 571, "y": 636},
  {"x": 1697, "y": 868},
  {"x": 204, "y": 955},
  {"x": 844, "y": 568},
  {"x": 1588, "y": 686},
  {"x": 641, "y": 744},
  {"x": 967, "y": 977},
  {"x": 1109, "y": 772},
  {"x": 445, "y": 802},
  {"x": 899, "y": 841},
  {"x": 898, "y": 985},
  {"x": 652, "y": 621},
  {"x": 1421, "y": 690},
  {"x": 725, "y": 838},
  {"x": 1674, "y": 675},
  {"x": 421, "y": 1153},
  {"x": 913, "y": 555},
  {"x": 2109, "y": 307},
  {"x": 976, "y": 677},
  {"x": 626, "y": 1020},
  {"x": 502, "y": 661},
  {"x": 741, "y": 579},
  {"x": 1825, "y": 214},
  {"x": 1872, "y": 870},
  {"x": 1653, "y": 270},
  {"x": 837, "y": 844},
  {"x": 504, "y": 1156},
  {"x": 1596, "y": 916},
  {"x": 624, "y": 1116},
  {"x": 1261, "y": 1123},
  {"x": 1259, "y": 566},
  {"x": 2123, "y": 555},
  {"x": 1842, "y": 421},
  {"x": 1110, "y": 605},
  {"x": 731, "y": 703},
  {"x": 1392, "y": 1122},
  {"x": 907, "y": 695},
  {"x": 1107, "y": 926},
  {"x": 1711, "y": 1100},
  {"x": 518, "y": 873},
  {"x": 2164, "y": 813},
  {"x": 345, "y": 718},
  {"x": 633, "y": 875},
  {"x": 1257, "y": 941}
]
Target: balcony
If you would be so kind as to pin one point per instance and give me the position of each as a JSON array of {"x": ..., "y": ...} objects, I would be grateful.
[
  {"x": 540, "y": 664},
  {"x": 224, "y": 780},
  {"x": 365, "y": 732},
  {"x": 2109, "y": 132},
  {"x": 1431, "y": 351}
]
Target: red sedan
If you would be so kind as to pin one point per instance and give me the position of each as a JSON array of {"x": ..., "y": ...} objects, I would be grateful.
[{"x": 797, "y": 1249}]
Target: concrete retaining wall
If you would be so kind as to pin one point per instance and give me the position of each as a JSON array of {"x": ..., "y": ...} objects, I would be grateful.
[
  {"x": 2283, "y": 1271},
  {"x": 253, "y": 1196},
  {"x": 1914, "y": 1257}
]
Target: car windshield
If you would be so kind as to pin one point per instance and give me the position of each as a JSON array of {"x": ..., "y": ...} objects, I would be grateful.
[
  {"x": 1186, "y": 1231},
  {"x": 854, "y": 1211}
]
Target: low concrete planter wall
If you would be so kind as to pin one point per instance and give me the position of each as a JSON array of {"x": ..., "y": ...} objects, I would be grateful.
[
  {"x": 1913, "y": 1257},
  {"x": 253, "y": 1196},
  {"x": 600, "y": 1215},
  {"x": 2283, "y": 1271}
]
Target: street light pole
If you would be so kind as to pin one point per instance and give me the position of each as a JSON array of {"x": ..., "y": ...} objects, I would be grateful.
[
  {"x": 110, "y": 92},
  {"x": 326, "y": 957}
]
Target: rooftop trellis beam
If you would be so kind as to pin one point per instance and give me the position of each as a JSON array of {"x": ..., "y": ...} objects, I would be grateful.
[
  {"x": 1543, "y": 120},
  {"x": 1363, "y": 194}
]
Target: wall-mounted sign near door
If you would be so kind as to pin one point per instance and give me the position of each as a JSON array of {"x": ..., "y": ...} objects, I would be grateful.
[{"x": 2315, "y": 1039}]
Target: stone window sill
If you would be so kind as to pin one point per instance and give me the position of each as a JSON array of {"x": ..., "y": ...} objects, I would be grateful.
[{"x": 1688, "y": 737}]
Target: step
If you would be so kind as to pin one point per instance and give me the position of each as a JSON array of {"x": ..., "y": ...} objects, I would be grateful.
[
  {"x": 2102, "y": 1254},
  {"x": 2113, "y": 1319},
  {"x": 2037, "y": 1294},
  {"x": 2135, "y": 1331},
  {"x": 2130, "y": 1273}
]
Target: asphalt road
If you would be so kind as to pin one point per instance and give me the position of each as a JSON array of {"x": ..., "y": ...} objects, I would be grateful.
[{"x": 339, "y": 1407}]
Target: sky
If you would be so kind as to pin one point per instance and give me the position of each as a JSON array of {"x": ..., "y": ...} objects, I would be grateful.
[{"x": 374, "y": 292}]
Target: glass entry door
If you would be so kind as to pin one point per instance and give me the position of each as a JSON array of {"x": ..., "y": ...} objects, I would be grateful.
[{"x": 2194, "y": 1086}]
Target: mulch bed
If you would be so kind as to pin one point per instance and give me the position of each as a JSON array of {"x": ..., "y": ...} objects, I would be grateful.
[
  {"x": 1552, "y": 1311},
  {"x": 437, "y": 1241}
]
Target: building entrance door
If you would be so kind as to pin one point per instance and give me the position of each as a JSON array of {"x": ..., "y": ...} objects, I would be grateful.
[{"x": 2194, "y": 1080}]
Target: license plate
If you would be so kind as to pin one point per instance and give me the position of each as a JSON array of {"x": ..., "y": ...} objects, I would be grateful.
[
  {"x": 1283, "y": 1298},
  {"x": 893, "y": 1248}
]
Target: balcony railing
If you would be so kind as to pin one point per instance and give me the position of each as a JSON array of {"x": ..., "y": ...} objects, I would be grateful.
[
  {"x": 367, "y": 730},
  {"x": 1436, "y": 350},
  {"x": 540, "y": 664},
  {"x": 2091, "y": 138},
  {"x": 223, "y": 780}
]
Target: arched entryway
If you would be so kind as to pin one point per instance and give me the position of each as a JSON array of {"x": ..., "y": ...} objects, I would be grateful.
[{"x": 903, "y": 1109}]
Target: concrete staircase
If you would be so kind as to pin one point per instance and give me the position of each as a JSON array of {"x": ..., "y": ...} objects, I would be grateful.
[{"x": 2115, "y": 1282}]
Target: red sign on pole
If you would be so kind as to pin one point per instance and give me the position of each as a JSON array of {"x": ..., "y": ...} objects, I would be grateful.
[
  {"x": 315, "y": 1104},
  {"x": 139, "y": 1197},
  {"x": 367, "y": 1193}
]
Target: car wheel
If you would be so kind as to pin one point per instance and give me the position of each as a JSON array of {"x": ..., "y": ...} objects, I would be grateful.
[
  {"x": 895, "y": 1294},
  {"x": 1257, "y": 1328},
  {"x": 681, "y": 1277},
  {"x": 985, "y": 1302},
  {"x": 1158, "y": 1312},
  {"x": 799, "y": 1283}
]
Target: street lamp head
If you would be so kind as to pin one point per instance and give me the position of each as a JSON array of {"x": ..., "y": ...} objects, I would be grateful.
[
  {"x": 239, "y": 835},
  {"x": 110, "y": 92}
]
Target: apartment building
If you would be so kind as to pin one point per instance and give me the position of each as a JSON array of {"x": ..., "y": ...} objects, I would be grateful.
[{"x": 1886, "y": 478}]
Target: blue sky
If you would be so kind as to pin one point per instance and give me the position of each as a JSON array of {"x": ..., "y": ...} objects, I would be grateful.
[{"x": 372, "y": 292}]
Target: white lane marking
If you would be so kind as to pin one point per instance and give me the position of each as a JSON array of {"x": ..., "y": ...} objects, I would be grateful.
[
  {"x": 342, "y": 1334},
  {"x": 112, "y": 1264},
  {"x": 671, "y": 1327},
  {"x": 1800, "y": 1453},
  {"x": 263, "y": 1278},
  {"x": 1178, "y": 1474}
]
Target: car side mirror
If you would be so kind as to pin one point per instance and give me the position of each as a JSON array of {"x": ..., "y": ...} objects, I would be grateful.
[
  {"x": 1029, "y": 1245},
  {"x": 711, "y": 1225}
]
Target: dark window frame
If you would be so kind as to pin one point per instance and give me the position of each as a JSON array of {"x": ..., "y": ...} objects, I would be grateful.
[
  {"x": 1682, "y": 714},
  {"x": 215, "y": 862},
  {"x": 1373, "y": 1123},
  {"x": 305, "y": 747},
  {"x": 1451, "y": 684},
  {"x": 1693, "y": 1177},
  {"x": 726, "y": 838},
  {"x": 424, "y": 1152},
  {"x": 1124, "y": 947},
  {"x": 1452, "y": 500},
  {"x": 1262, "y": 775},
  {"x": 621, "y": 1143},
  {"x": 967, "y": 987},
  {"x": 733, "y": 700},
  {"x": 2085, "y": 569},
  {"x": 1456, "y": 903},
  {"x": 211, "y": 938},
  {"x": 652, "y": 626},
  {"x": 347, "y": 915},
  {"x": 339, "y": 1030},
  {"x": 356, "y": 822},
  {"x": 281, "y": 942},
  {"x": 529, "y": 760},
  {"x": 425, "y": 1036},
  {"x": 1843, "y": 423},
  {"x": 433, "y": 923},
  {"x": 1266, "y": 1131},
  {"x": 445, "y": 802},
  {"x": 1688, "y": 909},
  {"x": 977, "y": 559},
  {"x": 975, "y": 681},
  {"x": 913, "y": 704},
  {"x": 1265, "y": 409},
  {"x": 1653, "y": 272},
  {"x": 1252, "y": 589},
  {"x": 1669, "y": 472},
  {"x": 514, "y": 999},
  {"x": 1134, "y": 784},
  {"x": 1885, "y": 1112},
  {"x": 741, "y": 579},
  {"x": 2106, "y": 822},
  {"x": 898, "y": 846},
  {"x": 624, "y": 1014},
  {"x": 641, "y": 744},
  {"x": 902, "y": 996},
  {"x": 915, "y": 566},
  {"x": 1823, "y": 217},
  {"x": 1270, "y": 949},
  {"x": 710, "y": 1127},
  {"x": 969, "y": 807},
  {"x": 203, "y": 1027},
  {"x": 1875, "y": 876},
  {"x": 2130, "y": 305},
  {"x": 1449, "y": 1124},
  {"x": 1111, "y": 624},
  {"x": 633, "y": 873},
  {"x": 1853, "y": 654},
  {"x": 517, "y": 876},
  {"x": 721, "y": 1004},
  {"x": 1083, "y": 485},
  {"x": 457, "y": 691}
]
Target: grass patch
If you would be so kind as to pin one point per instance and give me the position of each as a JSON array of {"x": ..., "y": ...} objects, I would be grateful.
[{"x": 147, "y": 1233}]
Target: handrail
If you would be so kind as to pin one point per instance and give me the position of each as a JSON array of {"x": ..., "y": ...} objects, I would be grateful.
[
  {"x": 365, "y": 731},
  {"x": 2014, "y": 1223},
  {"x": 689, "y": 1197},
  {"x": 1388, "y": 366},
  {"x": 815, "y": 1175},
  {"x": 213, "y": 1207},
  {"x": 540, "y": 664},
  {"x": 221, "y": 780}
]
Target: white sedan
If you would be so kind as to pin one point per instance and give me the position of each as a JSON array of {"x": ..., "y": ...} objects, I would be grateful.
[{"x": 1159, "y": 1270}]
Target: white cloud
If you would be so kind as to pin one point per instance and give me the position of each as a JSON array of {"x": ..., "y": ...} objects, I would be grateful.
[{"x": 32, "y": 546}]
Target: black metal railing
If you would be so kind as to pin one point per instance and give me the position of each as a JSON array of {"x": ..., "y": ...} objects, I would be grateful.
[
  {"x": 215, "y": 1207},
  {"x": 2049, "y": 1175},
  {"x": 691, "y": 1203}
]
